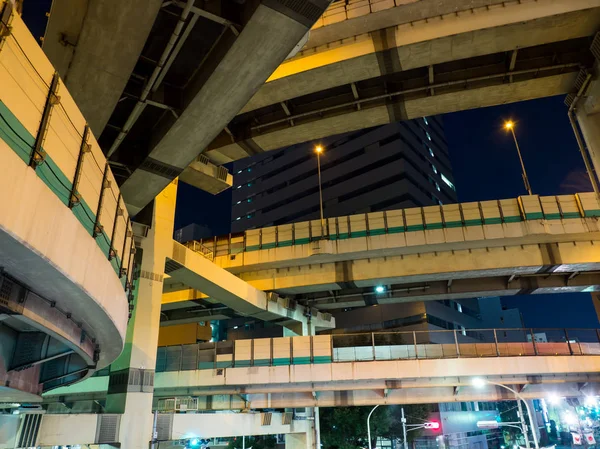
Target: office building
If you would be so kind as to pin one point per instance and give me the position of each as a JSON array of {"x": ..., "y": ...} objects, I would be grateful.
[{"x": 395, "y": 166}]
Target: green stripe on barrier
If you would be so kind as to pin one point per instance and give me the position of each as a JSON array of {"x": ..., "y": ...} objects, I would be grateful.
[
  {"x": 269, "y": 245},
  {"x": 359, "y": 234},
  {"x": 227, "y": 364},
  {"x": 15, "y": 134},
  {"x": 376, "y": 231},
  {"x": 55, "y": 180},
  {"x": 418, "y": 227},
  {"x": 322, "y": 359},
  {"x": 434, "y": 226},
  {"x": 286, "y": 243},
  {"x": 534, "y": 216},
  {"x": 555, "y": 216},
  {"x": 332, "y": 236},
  {"x": 343, "y": 235},
  {"x": 301, "y": 360},
  {"x": 242, "y": 363},
  {"x": 454, "y": 224},
  {"x": 206, "y": 365},
  {"x": 491, "y": 221},
  {"x": 592, "y": 213},
  {"x": 262, "y": 362},
  {"x": 571, "y": 215},
  {"x": 253, "y": 248},
  {"x": 513, "y": 219},
  {"x": 302, "y": 241},
  {"x": 281, "y": 361},
  {"x": 473, "y": 222},
  {"x": 396, "y": 230}
]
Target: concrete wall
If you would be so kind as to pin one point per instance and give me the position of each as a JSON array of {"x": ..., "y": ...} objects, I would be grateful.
[
  {"x": 56, "y": 430},
  {"x": 209, "y": 425},
  {"x": 9, "y": 425}
]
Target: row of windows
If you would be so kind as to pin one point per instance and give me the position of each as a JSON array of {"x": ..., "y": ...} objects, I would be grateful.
[{"x": 459, "y": 307}]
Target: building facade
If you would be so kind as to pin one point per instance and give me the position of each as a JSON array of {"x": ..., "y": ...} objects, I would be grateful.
[{"x": 395, "y": 166}]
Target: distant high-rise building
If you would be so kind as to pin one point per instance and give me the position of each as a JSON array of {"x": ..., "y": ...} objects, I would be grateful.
[{"x": 395, "y": 166}]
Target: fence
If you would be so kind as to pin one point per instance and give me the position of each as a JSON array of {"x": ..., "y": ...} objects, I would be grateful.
[
  {"x": 413, "y": 345},
  {"x": 41, "y": 123}
]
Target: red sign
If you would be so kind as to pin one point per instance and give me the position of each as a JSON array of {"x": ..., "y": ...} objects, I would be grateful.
[
  {"x": 589, "y": 438},
  {"x": 576, "y": 438}
]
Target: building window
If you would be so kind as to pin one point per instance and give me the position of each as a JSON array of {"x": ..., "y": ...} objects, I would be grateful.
[
  {"x": 249, "y": 169},
  {"x": 239, "y": 187},
  {"x": 239, "y": 172},
  {"x": 250, "y": 183},
  {"x": 239, "y": 202},
  {"x": 428, "y": 136},
  {"x": 437, "y": 186},
  {"x": 431, "y": 152},
  {"x": 249, "y": 200},
  {"x": 425, "y": 120},
  {"x": 433, "y": 167},
  {"x": 447, "y": 181},
  {"x": 459, "y": 307},
  {"x": 250, "y": 215},
  {"x": 238, "y": 218}
]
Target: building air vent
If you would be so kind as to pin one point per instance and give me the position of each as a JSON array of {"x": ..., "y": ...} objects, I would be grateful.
[
  {"x": 291, "y": 304},
  {"x": 203, "y": 159},
  {"x": 107, "y": 430},
  {"x": 222, "y": 173},
  {"x": 286, "y": 418},
  {"x": 266, "y": 419},
  {"x": 164, "y": 426},
  {"x": 595, "y": 48},
  {"x": 272, "y": 296},
  {"x": 569, "y": 100},
  {"x": 580, "y": 80},
  {"x": 30, "y": 427}
]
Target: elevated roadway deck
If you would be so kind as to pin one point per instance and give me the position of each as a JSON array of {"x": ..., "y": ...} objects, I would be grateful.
[
  {"x": 519, "y": 246},
  {"x": 372, "y": 62},
  {"x": 370, "y": 368}
]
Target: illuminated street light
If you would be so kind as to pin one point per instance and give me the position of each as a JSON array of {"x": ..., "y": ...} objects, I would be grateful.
[
  {"x": 480, "y": 382},
  {"x": 319, "y": 150},
  {"x": 379, "y": 289},
  {"x": 554, "y": 399},
  {"x": 510, "y": 126},
  {"x": 591, "y": 401}
]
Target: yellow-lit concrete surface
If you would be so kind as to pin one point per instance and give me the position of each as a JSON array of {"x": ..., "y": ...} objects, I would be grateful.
[
  {"x": 198, "y": 273},
  {"x": 339, "y": 54},
  {"x": 415, "y": 108},
  {"x": 183, "y": 334}
]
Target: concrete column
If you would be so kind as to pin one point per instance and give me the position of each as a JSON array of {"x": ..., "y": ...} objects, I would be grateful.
[
  {"x": 132, "y": 374},
  {"x": 296, "y": 441},
  {"x": 297, "y": 329},
  {"x": 588, "y": 116}
]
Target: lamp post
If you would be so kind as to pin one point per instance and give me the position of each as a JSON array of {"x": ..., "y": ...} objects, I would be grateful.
[
  {"x": 510, "y": 126},
  {"x": 480, "y": 382},
  {"x": 369, "y": 425},
  {"x": 319, "y": 150}
]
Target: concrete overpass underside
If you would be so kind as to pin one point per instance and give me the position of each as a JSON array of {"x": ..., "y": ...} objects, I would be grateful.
[
  {"x": 414, "y": 60},
  {"x": 156, "y": 100}
]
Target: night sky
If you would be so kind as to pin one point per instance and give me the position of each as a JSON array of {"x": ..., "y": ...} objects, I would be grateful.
[{"x": 485, "y": 166}]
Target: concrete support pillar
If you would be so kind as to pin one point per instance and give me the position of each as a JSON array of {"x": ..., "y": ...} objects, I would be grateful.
[
  {"x": 297, "y": 329},
  {"x": 296, "y": 441},
  {"x": 588, "y": 116},
  {"x": 131, "y": 382}
]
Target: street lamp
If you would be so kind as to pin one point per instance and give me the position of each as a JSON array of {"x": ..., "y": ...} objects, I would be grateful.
[
  {"x": 510, "y": 126},
  {"x": 369, "y": 424},
  {"x": 319, "y": 150},
  {"x": 480, "y": 382}
]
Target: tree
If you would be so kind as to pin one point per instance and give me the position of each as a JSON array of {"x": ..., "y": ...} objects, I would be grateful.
[{"x": 346, "y": 427}]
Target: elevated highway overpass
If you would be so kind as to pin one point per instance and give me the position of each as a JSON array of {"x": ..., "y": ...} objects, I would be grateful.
[
  {"x": 66, "y": 246},
  {"x": 370, "y": 368},
  {"x": 372, "y": 62},
  {"x": 507, "y": 247}
]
